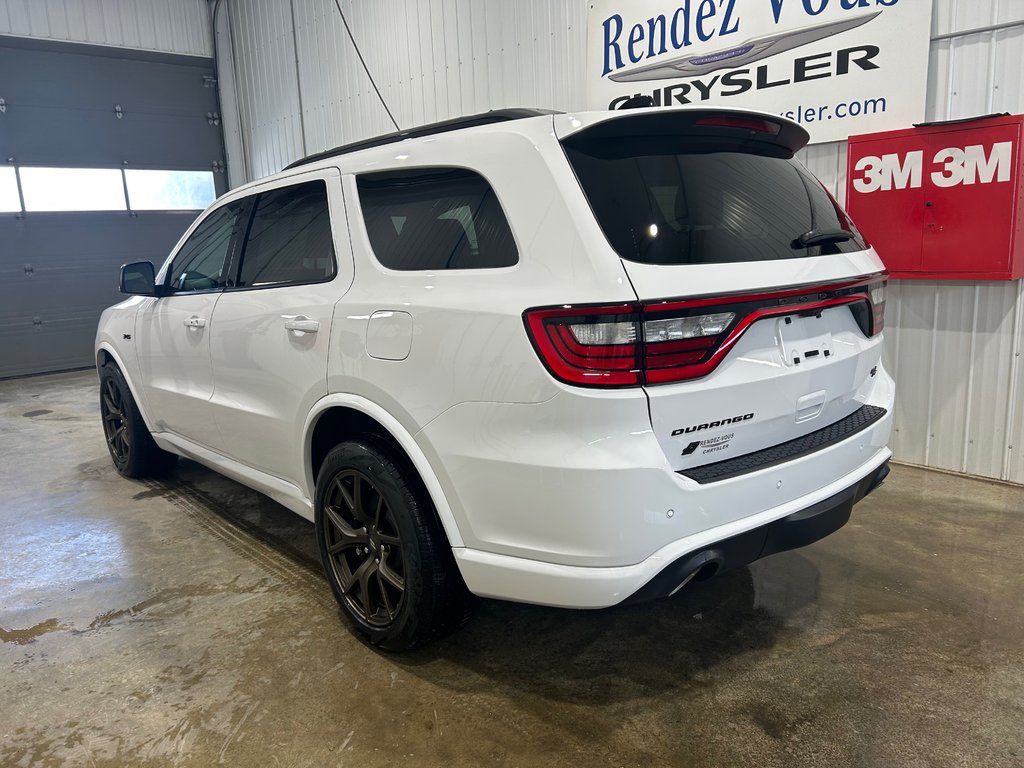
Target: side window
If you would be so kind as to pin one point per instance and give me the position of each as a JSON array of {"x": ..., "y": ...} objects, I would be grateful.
[
  {"x": 201, "y": 263},
  {"x": 435, "y": 218},
  {"x": 290, "y": 238}
]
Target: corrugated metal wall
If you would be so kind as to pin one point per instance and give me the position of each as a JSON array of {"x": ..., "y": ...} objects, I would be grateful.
[
  {"x": 432, "y": 59},
  {"x": 170, "y": 26},
  {"x": 954, "y": 347}
]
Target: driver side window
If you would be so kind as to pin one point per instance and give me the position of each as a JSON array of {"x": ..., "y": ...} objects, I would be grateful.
[{"x": 202, "y": 262}]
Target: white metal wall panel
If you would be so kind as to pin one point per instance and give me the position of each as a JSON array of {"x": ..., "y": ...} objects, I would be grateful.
[
  {"x": 951, "y": 16},
  {"x": 939, "y": 71},
  {"x": 268, "y": 87},
  {"x": 988, "y": 431},
  {"x": 170, "y": 26},
  {"x": 431, "y": 59},
  {"x": 1015, "y": 448},
  {"x": 1007, "y": 67},
  {"x": 952, "y": 346}
]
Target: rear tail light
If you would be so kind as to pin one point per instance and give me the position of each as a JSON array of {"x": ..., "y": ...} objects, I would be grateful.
[
  {"x": 592, "y": 346},
  {"x": 676, "y": 328},
  {"x": 603, "y": 334},
  {"x": 630, "y": 345},
  {"x": 877, "y": 293}
]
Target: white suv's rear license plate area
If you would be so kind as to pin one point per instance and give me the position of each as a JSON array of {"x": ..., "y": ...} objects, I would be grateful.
[{"x": 804, "y": 338}]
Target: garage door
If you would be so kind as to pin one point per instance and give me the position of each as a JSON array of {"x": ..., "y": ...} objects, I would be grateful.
[{"x": 106, "y": 156}]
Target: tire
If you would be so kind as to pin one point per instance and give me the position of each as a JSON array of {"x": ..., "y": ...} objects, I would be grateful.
[
  {"x": 131, "y": 446},
  {"x": 384, "y": 553}
]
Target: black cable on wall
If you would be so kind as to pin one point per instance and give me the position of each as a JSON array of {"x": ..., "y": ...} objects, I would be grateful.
[{"x": 366, "y": 69}]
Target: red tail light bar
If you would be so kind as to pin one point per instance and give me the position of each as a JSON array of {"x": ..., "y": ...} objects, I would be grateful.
[
  {"x": 740, "y": 121},
  {"x": 660, "y": 342}
]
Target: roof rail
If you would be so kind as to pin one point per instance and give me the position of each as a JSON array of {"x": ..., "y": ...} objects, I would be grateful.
[{"x": 455, "y": 124}]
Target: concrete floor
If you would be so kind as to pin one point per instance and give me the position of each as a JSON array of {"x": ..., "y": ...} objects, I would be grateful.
[{"x": 185, "y": 622}]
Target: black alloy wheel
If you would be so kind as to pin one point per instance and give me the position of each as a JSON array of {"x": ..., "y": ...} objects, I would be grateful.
[
  {"x": 131, "y": 446},
  {"x": 383, "y": 549},
  {"x": 115, "y": 424},
  {"x": 364, "y": 548}
]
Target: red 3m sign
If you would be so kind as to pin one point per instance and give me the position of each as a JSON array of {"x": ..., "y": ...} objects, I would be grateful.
[{"x": 942, "y": 201}]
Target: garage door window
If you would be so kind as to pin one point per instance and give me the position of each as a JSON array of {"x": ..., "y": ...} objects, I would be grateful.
[
  {"x": 201, "y": 263},
  {"x": 290, "y": 241},
  {"x": 169, "y": 190},
  {"x": 435, "y": 218},
  {"x": 9, "y": 200},
  {"x": 73, "y": 189},
  {"x": 104, "y": 189}
]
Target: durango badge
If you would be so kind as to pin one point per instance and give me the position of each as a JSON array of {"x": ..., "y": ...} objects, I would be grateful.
[{"x": 711, "y": 425}]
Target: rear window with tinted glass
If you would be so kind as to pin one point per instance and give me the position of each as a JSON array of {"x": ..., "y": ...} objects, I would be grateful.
[
  {"x": 434, "y": 219},
  {"x": 683, "y": 200}
]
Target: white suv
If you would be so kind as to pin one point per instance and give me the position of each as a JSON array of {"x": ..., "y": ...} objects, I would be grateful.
[{"x": 562, "y": 359}]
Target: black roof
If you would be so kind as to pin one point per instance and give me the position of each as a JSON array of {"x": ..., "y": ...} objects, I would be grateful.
[{"x": 458, "y": 123}]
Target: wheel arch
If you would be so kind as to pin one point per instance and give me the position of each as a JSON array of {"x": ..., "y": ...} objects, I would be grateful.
[
  {"x": 337, "y": 417},
  {"x": 106, "y": 353}
]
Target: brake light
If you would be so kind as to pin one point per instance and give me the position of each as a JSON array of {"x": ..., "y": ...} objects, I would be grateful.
[
  {"x": 592, "y": 346},
  {"x": 738, "y": 121},
  {"x": 660, "y": 342}
]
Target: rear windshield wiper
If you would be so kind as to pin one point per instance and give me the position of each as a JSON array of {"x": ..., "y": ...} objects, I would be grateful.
[{"x": 820, "y": 236}]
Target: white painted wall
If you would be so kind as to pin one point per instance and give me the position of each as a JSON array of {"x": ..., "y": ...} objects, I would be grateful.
[
  {"x": 169, "y": 26},
  {"x": 953, "y": 347}
]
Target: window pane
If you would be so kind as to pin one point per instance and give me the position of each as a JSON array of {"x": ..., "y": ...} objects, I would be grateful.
[
  {"x": 72, "y": 189},
  {"x": 200, "y": 264},
  {"x": 700, "y": 200},
  {"x": 9, "y": 201},
  {"x": 435, "y": 218},
  {"x": 170, "y": 190},
  {"x": 290, "y": 238}
]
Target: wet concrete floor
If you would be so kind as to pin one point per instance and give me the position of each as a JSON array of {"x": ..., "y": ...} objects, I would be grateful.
[{"x": 185, "y": 622}]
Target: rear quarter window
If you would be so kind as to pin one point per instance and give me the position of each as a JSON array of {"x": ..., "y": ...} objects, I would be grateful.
[{"x": 435, "y": 219}]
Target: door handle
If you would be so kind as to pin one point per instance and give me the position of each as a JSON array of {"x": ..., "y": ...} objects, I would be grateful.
[
  {"x": 195, "y": 322},
  {"x": 300, "y": 324}
]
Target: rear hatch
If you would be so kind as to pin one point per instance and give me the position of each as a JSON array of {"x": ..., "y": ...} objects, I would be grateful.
[{"x": 760, "y": 304}]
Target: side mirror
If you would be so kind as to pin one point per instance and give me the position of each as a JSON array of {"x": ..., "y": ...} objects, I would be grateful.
[{"x": 139, "y": 279}]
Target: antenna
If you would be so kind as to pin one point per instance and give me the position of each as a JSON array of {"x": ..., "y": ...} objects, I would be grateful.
[{"x": 363, "y": 62}]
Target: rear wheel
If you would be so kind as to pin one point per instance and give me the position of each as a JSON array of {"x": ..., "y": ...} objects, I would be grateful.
[
  {"x": 131, "y": 446},
  {"x": 383, "y": 550}
]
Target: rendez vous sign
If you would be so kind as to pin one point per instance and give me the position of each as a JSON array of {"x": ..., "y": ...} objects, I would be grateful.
[{"x": 836, "y": 66}]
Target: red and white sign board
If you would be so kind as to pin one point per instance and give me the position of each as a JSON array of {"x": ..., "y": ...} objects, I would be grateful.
[{"x": 942, "y": 202}]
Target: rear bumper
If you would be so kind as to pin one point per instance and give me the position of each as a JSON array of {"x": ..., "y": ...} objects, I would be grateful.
[
  {"x": 573, "y": 503},
  {"x": 513, "y": 578},
  {"x": 790, "y": 532}
]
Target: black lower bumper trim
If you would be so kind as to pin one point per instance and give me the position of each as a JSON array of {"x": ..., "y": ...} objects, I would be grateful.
[
  {"x": 796, "y": 530},
  {"x": 856, "y": 422}
]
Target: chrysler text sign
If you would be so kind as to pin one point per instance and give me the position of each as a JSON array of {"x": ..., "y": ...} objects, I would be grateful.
[{"x": 836, "y": 66}]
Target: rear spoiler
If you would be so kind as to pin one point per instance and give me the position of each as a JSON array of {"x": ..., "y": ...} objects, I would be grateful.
[{"x": 773, "y": 133}]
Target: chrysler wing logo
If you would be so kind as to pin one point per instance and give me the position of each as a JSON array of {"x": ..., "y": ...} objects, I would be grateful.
[{"x": 750, "y": 51}]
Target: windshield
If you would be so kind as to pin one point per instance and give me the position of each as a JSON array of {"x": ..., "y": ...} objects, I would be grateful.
[{"x": 684, "y": 200}]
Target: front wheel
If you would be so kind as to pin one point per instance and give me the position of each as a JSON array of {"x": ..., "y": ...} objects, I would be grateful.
[
  {"x": 131, "y": 446},
  {"x": 383, "y": 550}
]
